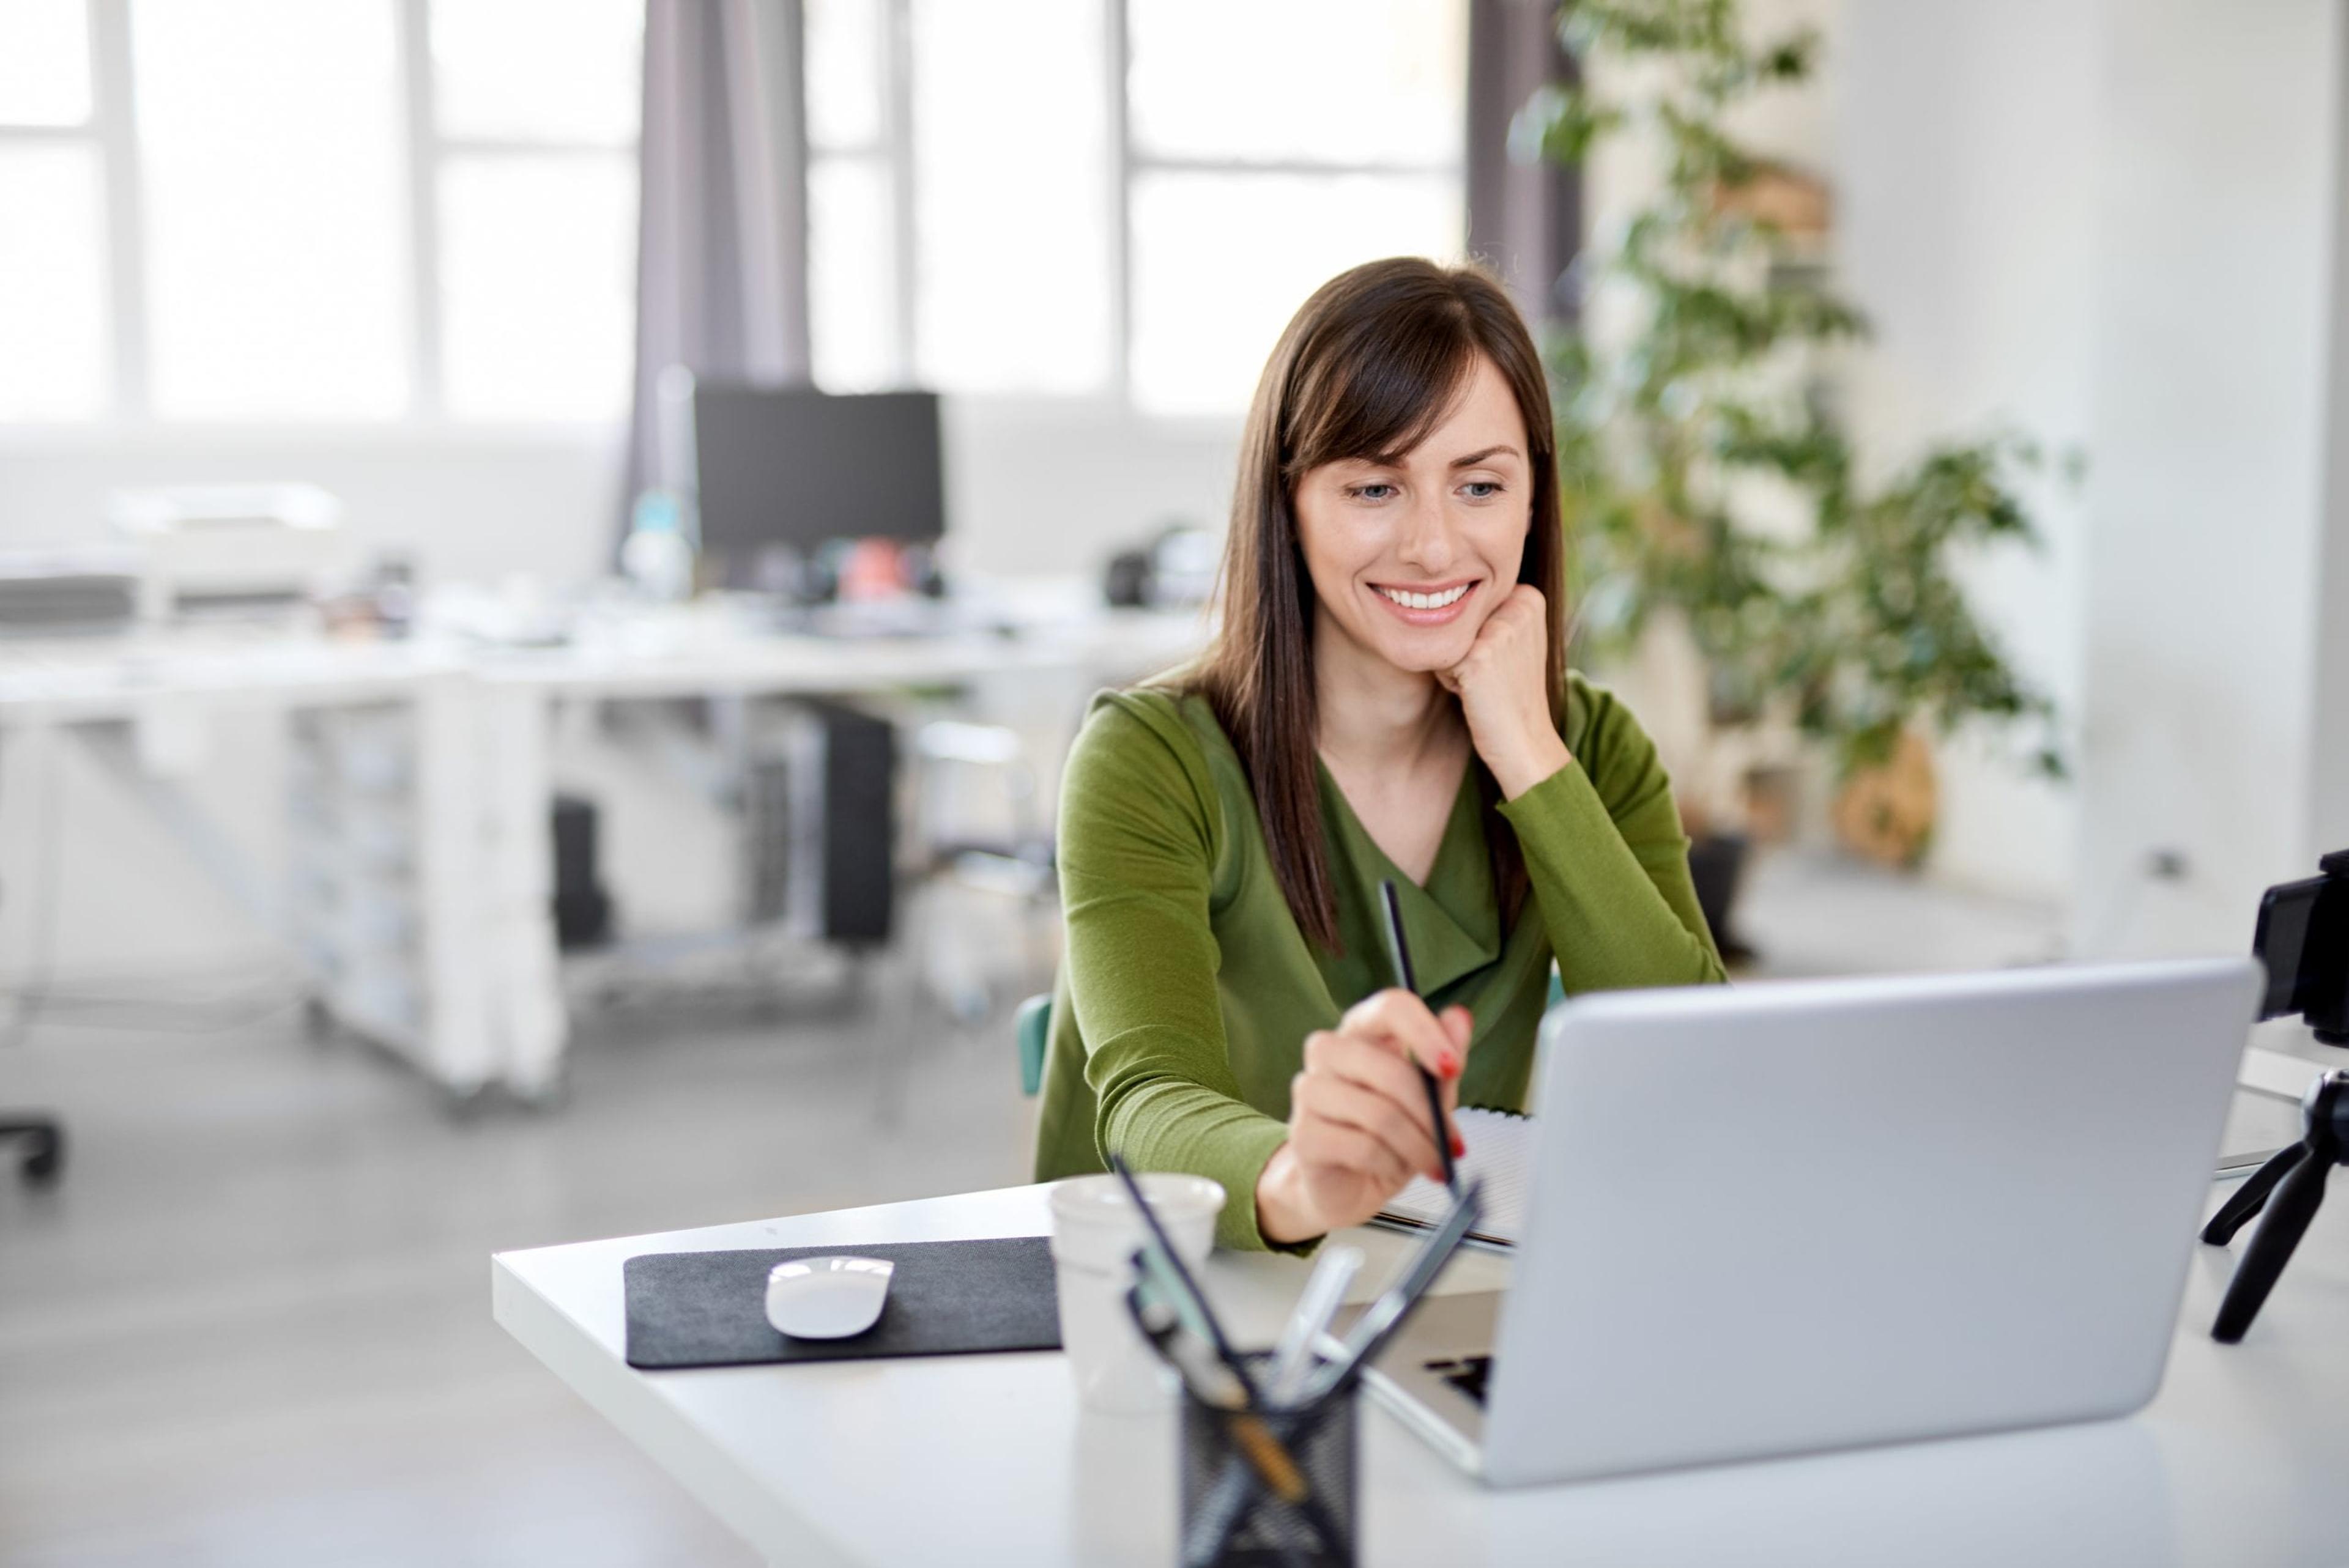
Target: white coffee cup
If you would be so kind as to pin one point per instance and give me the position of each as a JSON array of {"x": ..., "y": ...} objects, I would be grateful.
[{"x": 1095, "y": 1231}]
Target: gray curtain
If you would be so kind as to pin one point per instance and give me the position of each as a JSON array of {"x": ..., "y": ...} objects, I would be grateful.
[
  {"x": 1524, "y": 221},
  {"x": 721, "y": 241}
]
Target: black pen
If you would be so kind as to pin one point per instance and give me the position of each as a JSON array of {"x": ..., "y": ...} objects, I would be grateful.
[
  {"x": 1400, "y": 953},
  {"x": 1385, "y": 1317}
]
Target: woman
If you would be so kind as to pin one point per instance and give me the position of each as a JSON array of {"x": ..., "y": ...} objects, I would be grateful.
[{"x": 1387, "y": 698}]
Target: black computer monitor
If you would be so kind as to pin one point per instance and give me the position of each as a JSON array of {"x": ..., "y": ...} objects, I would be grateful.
[{"x": 782, "y": 472}]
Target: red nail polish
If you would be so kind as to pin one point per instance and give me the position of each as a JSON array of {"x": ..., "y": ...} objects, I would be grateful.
[
  {"x": 1459, "y": 1146},
  {"x": 1451, "y": 1064}
]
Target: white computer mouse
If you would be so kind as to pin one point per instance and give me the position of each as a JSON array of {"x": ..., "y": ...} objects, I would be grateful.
[{"x": 827, "y": 1298}]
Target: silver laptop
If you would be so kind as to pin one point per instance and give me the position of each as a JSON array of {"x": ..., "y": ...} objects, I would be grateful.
[{"x": 1773, "y": 1218}]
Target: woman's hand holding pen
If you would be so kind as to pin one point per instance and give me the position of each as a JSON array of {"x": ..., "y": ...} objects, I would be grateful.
[
  {"x": 1358, "y": 1128},
  {"x": 1503, "y": 687}
]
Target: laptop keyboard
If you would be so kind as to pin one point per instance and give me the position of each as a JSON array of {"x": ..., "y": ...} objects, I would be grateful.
[{"x": 1469, "y": 1374}]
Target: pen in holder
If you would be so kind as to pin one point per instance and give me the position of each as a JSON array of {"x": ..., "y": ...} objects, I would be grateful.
[
  {"x": 1267, "y": 1441},
  {"x": 1302, "y": 1512}
]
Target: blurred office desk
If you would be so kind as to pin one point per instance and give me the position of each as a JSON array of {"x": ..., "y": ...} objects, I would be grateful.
[
  {"x": 421, "y": 780},
  {"x": 986, "y": 1459}
]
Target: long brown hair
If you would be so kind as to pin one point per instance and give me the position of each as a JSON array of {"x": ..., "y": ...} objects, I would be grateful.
[{"x": 1366, "y": 368}]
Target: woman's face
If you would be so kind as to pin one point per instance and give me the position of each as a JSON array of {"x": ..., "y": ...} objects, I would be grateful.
[{"x": 1409, "y": 557}]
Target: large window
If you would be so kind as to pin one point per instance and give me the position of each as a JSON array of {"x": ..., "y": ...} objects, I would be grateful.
[
  {"x": 361, "y": 210},
  {"x": 300, "y": 210},
  {"x": 1114, "y": 197}
]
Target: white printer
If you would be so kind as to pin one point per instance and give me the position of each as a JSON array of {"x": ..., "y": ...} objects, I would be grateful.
[{"x": 240, "y": 552}]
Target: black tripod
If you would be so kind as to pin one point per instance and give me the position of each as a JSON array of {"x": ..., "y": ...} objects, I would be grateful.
[
  {"x": 2296, "y": 1179},
  {"x": 2302, "y": 939}
]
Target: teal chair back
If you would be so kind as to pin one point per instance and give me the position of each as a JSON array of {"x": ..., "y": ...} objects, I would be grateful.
[{"x": 1032, "y": 1027}]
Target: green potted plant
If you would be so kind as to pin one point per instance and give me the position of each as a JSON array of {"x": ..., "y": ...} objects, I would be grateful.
[{"x": 1711, "y": 491}]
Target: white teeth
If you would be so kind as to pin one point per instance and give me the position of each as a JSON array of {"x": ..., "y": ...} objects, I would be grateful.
[{"x": 1425, "y": 601}]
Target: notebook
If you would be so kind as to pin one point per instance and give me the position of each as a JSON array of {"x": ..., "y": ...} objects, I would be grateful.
[{"x": 1499, "y": 1148}]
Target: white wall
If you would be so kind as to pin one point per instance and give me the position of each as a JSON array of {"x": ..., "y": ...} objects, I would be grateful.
[
  {"x": 472, "y": 503},
  {"x": 2116, "y": 223},
  {"x": 1033, "y": 486},
  {"x": 2217, "y": 297},
  {"x": 1054, "y": 488},
  {"x": 1965, "y": 162},
  {"x": 2328, "y": 827}
]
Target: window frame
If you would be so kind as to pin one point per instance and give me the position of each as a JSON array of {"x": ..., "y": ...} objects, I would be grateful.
[
  {"x": 112, "y": 128},
  {"x": 111, "y": 132},
  {"x": 893, "y": 151},
  {"x": 1126, "y": 166},
  {"x": 431, "y": 150}
]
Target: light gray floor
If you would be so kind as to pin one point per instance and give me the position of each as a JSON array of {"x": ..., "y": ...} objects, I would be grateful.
[
  {"x": 1809, "y": 915},
  {"x": 252, "y": 1326}
]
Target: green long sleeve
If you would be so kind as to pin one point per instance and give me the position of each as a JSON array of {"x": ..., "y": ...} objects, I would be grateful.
[
  {"x": 1139, "y": 842},
  {"x": 1610, "y": 872},
  {"x": 1186, "y": 991}
]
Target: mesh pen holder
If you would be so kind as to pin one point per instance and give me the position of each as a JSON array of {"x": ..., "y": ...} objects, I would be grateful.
[{"x": 1233, "y": 1516}]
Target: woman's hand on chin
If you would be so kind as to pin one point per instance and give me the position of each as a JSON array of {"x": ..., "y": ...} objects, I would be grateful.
[
  {"x": 1358, "y": 1123},
  {"x": 1503, "y": 687}
]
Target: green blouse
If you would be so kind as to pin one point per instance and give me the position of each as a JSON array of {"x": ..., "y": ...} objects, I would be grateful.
[{"x": 1187, "y": 990}]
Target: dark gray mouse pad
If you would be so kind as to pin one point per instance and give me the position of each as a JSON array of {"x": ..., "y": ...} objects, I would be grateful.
[{"x": 947, "y": 1298}]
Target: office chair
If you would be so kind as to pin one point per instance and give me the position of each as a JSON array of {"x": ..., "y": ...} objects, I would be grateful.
[
  {"x": 1032, "y": 1028},
  {"x": 45, "y": 1136},
  {"x": 44, "y": 1145},
  {"x": 1009, "y": 859}
]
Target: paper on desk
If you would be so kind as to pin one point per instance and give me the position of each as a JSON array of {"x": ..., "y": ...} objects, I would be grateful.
[{"x": 1499, "y": 1146}]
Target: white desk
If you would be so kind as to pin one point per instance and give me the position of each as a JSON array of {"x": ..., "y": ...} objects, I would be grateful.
[
  {"x": 2240, "y": 1461},
  {"x": 476, "y": 772}
]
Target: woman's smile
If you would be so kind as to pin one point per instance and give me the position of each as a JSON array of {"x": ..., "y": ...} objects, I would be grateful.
[{"x": 1426, "y": 604}]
